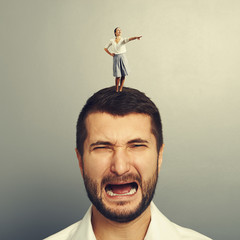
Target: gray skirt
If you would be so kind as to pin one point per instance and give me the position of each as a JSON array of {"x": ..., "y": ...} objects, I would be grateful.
[{"x": 120, "y": 65}]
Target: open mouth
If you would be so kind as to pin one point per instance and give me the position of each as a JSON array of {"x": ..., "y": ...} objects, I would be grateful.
[{"x": 126, "y": 189}]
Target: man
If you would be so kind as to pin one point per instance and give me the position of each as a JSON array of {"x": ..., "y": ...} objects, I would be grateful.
[{"x": 119, "y": 149}]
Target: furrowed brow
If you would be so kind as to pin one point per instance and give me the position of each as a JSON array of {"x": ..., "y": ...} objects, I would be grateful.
[
  {"x": 137, "y": 140},
  {"x": 101, "y": 143}
]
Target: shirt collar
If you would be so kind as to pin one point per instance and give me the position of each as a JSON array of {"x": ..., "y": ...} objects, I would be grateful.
[
  {"x": 85, "y": 230},
  {"x": 160, "y": 227}
]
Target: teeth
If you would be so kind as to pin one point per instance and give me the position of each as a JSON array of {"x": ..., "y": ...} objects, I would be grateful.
[{"x": 112, "y": 194}]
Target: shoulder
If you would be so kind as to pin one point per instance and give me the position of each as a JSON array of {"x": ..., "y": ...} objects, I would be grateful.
[
  {"x": 166, "y": 228},
  {"x": 81, "y": 228},
  {"x": 65, "y": 233},
  {"x": 189, "y": 234}
]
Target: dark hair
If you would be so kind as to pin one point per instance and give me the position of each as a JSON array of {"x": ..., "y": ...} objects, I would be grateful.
[
  {"x": 119, "y": 104},
  {"x": 115, "y": 30}
]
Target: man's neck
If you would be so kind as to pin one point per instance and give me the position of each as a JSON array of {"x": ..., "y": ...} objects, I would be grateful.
[{"x": 105, "y": 229}]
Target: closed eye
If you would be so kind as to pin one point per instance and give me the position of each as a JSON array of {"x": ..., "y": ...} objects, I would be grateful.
[
  {"x": 102, "y": 148},
  {"x": 138, "y": 145},
  {"x": 100, "y": 145}
]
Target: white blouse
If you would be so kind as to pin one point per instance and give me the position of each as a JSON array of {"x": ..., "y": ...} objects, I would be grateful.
[{"x": 118, "y": 48}]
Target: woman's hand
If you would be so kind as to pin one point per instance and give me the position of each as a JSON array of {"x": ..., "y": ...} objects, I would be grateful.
[
  {"x": 111, "y": 54},
  {"x": 134, "y": 38}
]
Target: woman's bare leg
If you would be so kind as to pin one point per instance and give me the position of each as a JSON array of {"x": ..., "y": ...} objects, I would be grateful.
[
  {"x": 121, "y": 84},
  {"x": 117, "y": 80}
]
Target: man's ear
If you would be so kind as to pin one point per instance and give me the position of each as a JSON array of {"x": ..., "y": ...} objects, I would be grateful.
[
  {"x": 160, "y": 157},
  {"x": 80, "y": 161}
]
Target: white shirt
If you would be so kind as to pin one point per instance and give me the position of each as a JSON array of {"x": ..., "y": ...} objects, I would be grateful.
[
  {"x": 160, "y": 228},
  {"x": 118, "y": 48}
]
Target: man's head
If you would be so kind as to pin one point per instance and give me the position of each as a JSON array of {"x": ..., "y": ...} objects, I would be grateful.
[
  {"x": 119, "y": 147},
  {"x": 119, "y": 104}
]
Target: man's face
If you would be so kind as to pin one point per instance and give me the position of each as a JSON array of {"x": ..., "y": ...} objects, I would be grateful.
[{"x": 120, "y": 164}]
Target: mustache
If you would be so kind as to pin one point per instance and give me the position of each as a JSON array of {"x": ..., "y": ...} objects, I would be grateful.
[{"x": 124, "y": 178}]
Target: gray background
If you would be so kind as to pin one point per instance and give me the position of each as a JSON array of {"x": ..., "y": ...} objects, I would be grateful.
[{"x": 52, "y": 60}]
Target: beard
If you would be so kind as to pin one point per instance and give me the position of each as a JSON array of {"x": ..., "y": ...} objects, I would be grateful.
[{"x": 94, "y": 193}]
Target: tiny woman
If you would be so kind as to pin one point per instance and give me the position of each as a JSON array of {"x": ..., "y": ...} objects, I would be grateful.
[{"x": 120, "y": 65}]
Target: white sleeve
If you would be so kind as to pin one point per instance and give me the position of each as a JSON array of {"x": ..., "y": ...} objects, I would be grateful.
[
  {"x": 109, "y": 44},
  {"x": 126, "y": 40}
]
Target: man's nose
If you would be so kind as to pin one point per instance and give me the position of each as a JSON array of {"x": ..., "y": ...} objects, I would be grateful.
[{"x": 120, "y": 162}]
